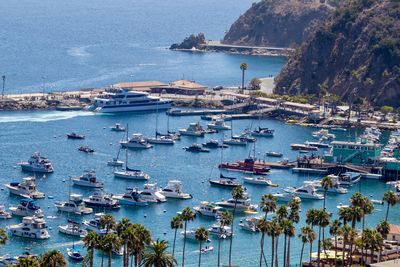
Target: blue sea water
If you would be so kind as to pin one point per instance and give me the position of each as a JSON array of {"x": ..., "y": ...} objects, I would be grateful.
[
  {"x": 59, "y": 45},
  {"x": 26, "y": 132}
]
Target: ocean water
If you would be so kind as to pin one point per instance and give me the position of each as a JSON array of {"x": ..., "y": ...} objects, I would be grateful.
[
  {"x": 26, "y": 132},
  {"x": 59, "y": 45}
]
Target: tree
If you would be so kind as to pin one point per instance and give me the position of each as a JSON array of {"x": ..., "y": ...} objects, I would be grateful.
[
  {"x": 243, "y": 67},
  {"x": 91, "y": 241},
  {"x": 156, "y": 255},
  {"x": 312, "y": 220},
  {"x": 294, "y": 217},
  {"x": 237, "y": 193},
  {"x": 176, "y": 223},
  {"x": 108, "y": 222},
  {"x": 187, "y": 215},
  {"x": 52, "y": 258},
  {"x": 386, "y": 110},
  {"x": 334, "y": 231},
  {"x": 288, "y": 232},
  {"x": 262, "y": 225},
  {"x": 122, "y": 232},
  {"x": 110, "y": 242},
  {"x": 383, "y": 228},
  {"x": 138, "y": 236},
  {"x": 201, "y": 235},
  {"x": 347, "y": 234},
  {"x": 27, "y": 262},
  {"x": 326, "y": 184},
  {"x": 255, "y": 84},
  {"x": 391, "y": 199},
  {"x": 225, "y": 219},
  {"x": 322, "y": 221},
  {"x": 3, "y": 237},
  {"x": 307, "y": 235},
  {"x": 345, "y": 214},
  {"x": 267, "y": 205}
]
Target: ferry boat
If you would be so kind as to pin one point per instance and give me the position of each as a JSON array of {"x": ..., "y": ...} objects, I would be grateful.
[
  {"x": 4, "y": 214},
  {"x": 194, "y": 129},
  {"x": 218, "y": 124},
  {"x": 221, "y": 232},
  {"x": 249, "y": 224},
  {"x": 349, "y": 178},
  {"x": 306, "y": 192},
  {"x": 88, "y": 179},
  {"x": 72, "y": 228},
  {"x": 224, "y": 181},
  {"x": 214, "y": 144},
  {"x": 208, "y": 209},
  {"x": 31, "y": 227},
  {"x": 26, "y": 188},
  {"x": 94, "y": 224},
  {"x": 131, "y": 197},
  {"x": 242, "y": 204},
  {"x": 101, "y": 199},
  {"x": 27, "y": 207},
  {"x": 249, "y": 165},
  {"x": 74, "y": 135},
  {"x": 263, "y": 132},
  {"x": 196, "y": 148},
  {"x": 137, "y": 141},
  {"x": 174, "y": 190},
  {"x": 118, "y": 128},
  {"x": 152, "y": 194},
  {"x": 259, "y": 180},
  {"x": 37, "y": 163},
  {"x": 303, "y": 147},
  {"x": 120, "y": 100},
  {"x": 191, "y": 234}
]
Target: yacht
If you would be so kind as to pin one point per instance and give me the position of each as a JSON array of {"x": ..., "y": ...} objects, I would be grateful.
[
  {"x": 75, "y": 254},
  {"x": 196, "y": 148},
  {"x": 37, "y": 163},
  {"x": 306, "y": 191},
  {"x": 274, "y": 154},
  {"x": 249, "y": 224},
  {"x": 194, "y": 129},
  {"x": 31, "y": 227},
  {"x": 121, "y": 100},
  {"x": 285, "y": 197},
  {"x": 337, "y": 188},
  {"x": 235, "y": 142},
  {"x": 317, "y": 144},
  {"x": 131, "y": 197},
  {"x": 242, "y": 204},
  {"x": 94, "y": 224},
  {"x": 72, "y": 207},
  {"x": 152, "y": 194},
  {"x": 349, "y": 178},
  {"x": 214, "y": 144},
  {"x": 245, "y": 137},
  {"x": 218, "y": 124},
  {"x": 118, "y": 128},
  {"x": 224, "y": 181},
  {"x": 72, "y": 228},
  {"x": 209, "y": 209},
  {"x": 323, "y": 134},
  {"x": 88, "y": 179},
  {"x": 101, "y": 199},
  {"x": 221, "y": 232},
  {"x": 4, "y": 214},
  {"x": 174, "y": 190},
  {"x": 302, "y": 147},
  {"x": 26, "y": 188},
  {"x": 161, "y": 140},
  {"x": 27, "y": 207},
  {"x": 74, "y": 135},
  {"x": 86, "y": 149},
  {"x": 259, "y": 180},
  {"x": 129, "y": 173},
  {"x": 137, "y": 141},
  {"x": 263, "y": 132},
  {"x": 191, "y": 234}
]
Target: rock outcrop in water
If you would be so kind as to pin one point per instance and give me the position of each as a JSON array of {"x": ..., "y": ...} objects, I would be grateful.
[
  {"x": 193, "y": 41},
  {"x": 280, "y": 23},
  {"x": 356, "y": 53}
]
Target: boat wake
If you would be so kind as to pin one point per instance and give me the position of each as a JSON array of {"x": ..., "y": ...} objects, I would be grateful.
[
  {"x": 79, "y": 52},
  {"x": 43, "y": 116}
]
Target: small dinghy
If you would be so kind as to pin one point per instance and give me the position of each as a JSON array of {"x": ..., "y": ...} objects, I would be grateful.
[
  {"x": 74, "y": 254},
  {"x": 206, "y": 249}
]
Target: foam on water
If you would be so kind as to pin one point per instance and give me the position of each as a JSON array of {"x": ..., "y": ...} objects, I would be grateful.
[{"x": 42, "y": 116}]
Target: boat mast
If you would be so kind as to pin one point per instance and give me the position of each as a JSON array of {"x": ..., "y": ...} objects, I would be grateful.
[
  {"x": 126, "y": 149},
  {"x": 157, "y": 122}
]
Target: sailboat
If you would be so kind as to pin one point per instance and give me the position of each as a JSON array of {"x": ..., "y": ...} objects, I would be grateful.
[
  {"x": 74, "y": 253},
  {"x": 129, "y": 173},
  {"x": 224, "y": 180},
  {"x": 234, "y": 140},
  {"x": 115, "y": 162},
  {"x": 171, "y": 135},
  {"x": 160, "y": 139}
]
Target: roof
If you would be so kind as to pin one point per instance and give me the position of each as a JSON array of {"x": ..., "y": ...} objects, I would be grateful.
[
  {"x": 394, "y": 229},
  {"x": 186, "y": 84},
  {"x": 299, "y": 105},
  {"x": 142, "y": 84}
]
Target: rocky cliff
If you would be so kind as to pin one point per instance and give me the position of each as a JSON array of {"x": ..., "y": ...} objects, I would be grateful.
[
  {"x": 281, "y": 23},
  {"x": 356, "y": 53}
]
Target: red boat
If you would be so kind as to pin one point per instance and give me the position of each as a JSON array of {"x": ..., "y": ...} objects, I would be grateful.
[{"x": 249, "y": 165}]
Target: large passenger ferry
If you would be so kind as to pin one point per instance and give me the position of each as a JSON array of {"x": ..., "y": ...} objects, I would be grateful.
[{"x": 120, "y": 100}]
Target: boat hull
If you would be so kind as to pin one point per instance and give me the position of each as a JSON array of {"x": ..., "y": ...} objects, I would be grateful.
[
  {"x": 29, "y": 168},
  {"x": 161, "y": 105}
]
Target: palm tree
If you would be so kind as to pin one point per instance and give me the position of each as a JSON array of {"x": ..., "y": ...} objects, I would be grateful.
[
  {"x": 225, "y": 219},
  {"x": 108, "y": 222},
  {"x": 121, "y": 230},
  {"x": 391, "y": 200},
  {"x": 323, "y": 221},
  {"x": 376, "y": 243},
  {"x": 262, "y": 225},
  {"x": 91, "y": 241},
  {"x": 53, "y": 258},
  {"x": 383, "y": 228},
  {"x": 237, "y": 193},
  {"x": 176, "y": 223},
  {"x": 334, "y": 231},
  {"x": 307, "y": 235},
  {"x": 281, "y": 215},
  {"x": 243, "y": 67},
  {"x": 201, "y": 235},
  {"x": 347, "y": 234},
  {"x": 187, "y": 215},
  {"x": 138, "y": 236},
  {"x": 326, "y": 184},
  {"x": 288, "y": 232},
  {"x": 345, "y": 214},
  {"x": 110, "y": 242},
  {"x": 274, "y": 231},
  {"x": 156, "y": 255},
  {"x": 268, "y": 204},
  {"x": 312, "y": 220},
  {"x": 367, "y": 207},
  {"x": 27, "y": 262},
  {"x": 294, "y": 217}
]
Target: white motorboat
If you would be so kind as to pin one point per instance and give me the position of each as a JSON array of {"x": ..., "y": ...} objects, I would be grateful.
[
  {"x": 75, "y": 254},
  {"x": 235, "y": 142},
  {"x": 259, "y": 180},
  {"x": 27, "y": 207},
  {"x": 4, "y": 214},
  {"x": 100, "y": 199},
  {"x": 305, "y": 192},
  {"x": 72, "y": 228},
  {"x": 152, "y": 194},
  {"x": 263, "y": 132},
  {"x": 241, "y": 204},
  {"x": 174, "y": 190},
  {"x": 191, "y": 234},
  {"x": 88, "y": 179},
  {"x": 118, "y": 128},
  {"x": 218, "y": 124},
  {"x": 341, "y": 206},
  {"x": 26, "y": 188},
  {"x": 337, "y": 188},
  {"x": 274, "y": 154},
  {"x": 161, "y": 140},
  {"x": 131, "y": 174},
  {"x": 349, "y": 178},
  {"x": 72, "y": 207},
  {"x": 323, "y": 134},
  {"x": 206, "y": 249},
  {"x": 221, "y": 232},
  {"x": 115, "y": 162},
  {"x": 194, "y": 129},
  {"x": 94, "y": 224},
  {"x": 285, "y": 197},
  {"x": 37, "y": 163},
  {"x": 302, "y": 147},
  {"x": 31, "y": 227},
  {"x": 249, "y": 224},
  {"x": 209, "y": 209},
  {"x": 131, "y": 197},
  {"x": 137, "y": 141}
]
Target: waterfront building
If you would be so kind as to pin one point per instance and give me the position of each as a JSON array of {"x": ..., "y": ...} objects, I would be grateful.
[
  {"x": 353, "y": 152},
  {"x": 143, "y": 86},
  {"x": 182, "y": 87}
]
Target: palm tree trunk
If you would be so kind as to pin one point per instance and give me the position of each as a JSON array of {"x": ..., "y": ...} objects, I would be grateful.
[
  {"x": 301, "y": 255},
  {"x": 273, "y": 251},
  {"x": 262, "y": 248},
  {"x": 243, "y": 79},
  {"x": 343, "y": 251},
  {"x": 387, "y": 212},
  {"x": 319, "y": 246},
  {"x": 91, "y": 257},
  {"x": 109, "y": 258},
  {"x": 311, "y": 243},
  {"x": 102, "y": 258},
  {"x": 284, "y": 251},
  {"x": 231, "y": 241},
  {"x": 335, "y": 250},
  {"x": 362, "y": 241},
  {"x": 125, "y": 254},
  {"x": 184, "y": 245},
  {"x": 219, "y": 248},
  {"x": 288, "y": 253},
  {"x": 199, "y": 253},
  {"x": 276, "y": 251},
  {"x": 173, "y": 247},
  {"x": 132, "y": 260}
]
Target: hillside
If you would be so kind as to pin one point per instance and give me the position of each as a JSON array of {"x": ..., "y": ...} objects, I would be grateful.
[
  {"x": 356, "y": 53},
  {"x": 281, "y": 23}
]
